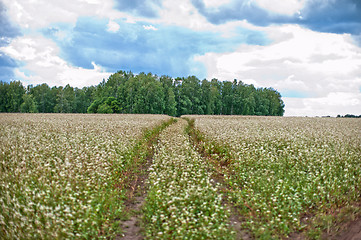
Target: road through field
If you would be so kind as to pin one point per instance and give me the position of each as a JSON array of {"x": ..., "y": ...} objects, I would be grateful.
[
  {"x": 182, "y": 202},
  {"x": 187, "y": 193}
]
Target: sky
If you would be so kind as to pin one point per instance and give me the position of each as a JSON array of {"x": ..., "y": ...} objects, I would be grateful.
[{"x": 308, "y": 50}]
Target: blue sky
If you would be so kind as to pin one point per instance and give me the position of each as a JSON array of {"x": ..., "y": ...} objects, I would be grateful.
[{"x": 309, "y": 50}]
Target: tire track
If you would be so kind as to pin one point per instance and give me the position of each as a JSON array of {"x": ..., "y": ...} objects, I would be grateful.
[
  {"x": 219, "y": 160},
  {"x": 136, "y": 185},
  {"x": 182, "y": 201}
]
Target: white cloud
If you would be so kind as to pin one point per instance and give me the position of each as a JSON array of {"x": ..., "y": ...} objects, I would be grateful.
[
  {"x": 80, "y": 77},
  {"x": 43, "y": 65},
  {"x": 333, "y": 104},
  {"x": 320, "y": 66},
  {"x": 181, "y": 13},
  {"x": 150, "y": 27},
  {"x": 288, "y": 7},
  {"x": 215, "y": 3},
  {"x": 113, "y": 26},
  {"x": 42, "y": 13},
  {"x": 184, "y": 14}
]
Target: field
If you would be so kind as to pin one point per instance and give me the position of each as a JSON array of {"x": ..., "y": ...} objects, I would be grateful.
[
  {"x": 60, "y": 174},
  {"x": 287, "y": 174},
  {"x": 210, "y": 177}
]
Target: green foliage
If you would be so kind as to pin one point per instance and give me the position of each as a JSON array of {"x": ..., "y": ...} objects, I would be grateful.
[
  {"x": 29, "y": 105},
  {"x": 171, "y": 104},
  {"x": 44, "y": 97},
  {"x": 105, "y": 108},
  {"x": 125, "y": 92},
  {"x": 106, "y": 105},
  {"x": 11, "y": 96}
]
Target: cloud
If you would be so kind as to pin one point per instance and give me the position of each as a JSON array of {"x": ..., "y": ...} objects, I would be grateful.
[
  {"x": 309, "y": 50},
  {"x": 170, "y": 50},
  {"x": 7, "y": 66},
  {"x": 145, "y": 8},
  {"x": 40, "y": 63},
  {"x": 150, "y": 27},
  {"x": 215, "y": 3},
  {"x": 299, "y": 63},
  {"x": 333, "y": 16},
  {"x": 319, "y": 15},
  {"x": 113, "y": 26},
  {"x": 331, "y": 105},
  {"x": 65, "y": 50},
  {"x": 289, "y": 7},
  {"x": 42, "y": 13},
  {"x": 238, "y": 10},
  {"x": 7, "y": 30}
]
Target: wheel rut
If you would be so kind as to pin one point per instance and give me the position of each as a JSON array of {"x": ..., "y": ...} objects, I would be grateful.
[
  {"x": 217, "y": 165},
  {"x": 136, "y": 194},
  {"x": 218, "y": 169},
  {"x": 183, "y": 201}
]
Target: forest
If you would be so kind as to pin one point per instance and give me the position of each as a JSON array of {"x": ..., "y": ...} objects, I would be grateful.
[{"x": 126, "y": 92}]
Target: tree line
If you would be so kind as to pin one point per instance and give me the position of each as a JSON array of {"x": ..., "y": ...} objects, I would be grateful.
[
  {"x": 125, "y": 92},
  {"x": 349, "y": 116}
]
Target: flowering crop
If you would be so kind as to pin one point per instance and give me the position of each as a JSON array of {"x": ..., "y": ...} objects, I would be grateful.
[
  {"x": 284, "y": 170},
  {"x": 64, "y": 176},
  {"x": 59, "y": 173},
  {"x": 182, "y": 202}
]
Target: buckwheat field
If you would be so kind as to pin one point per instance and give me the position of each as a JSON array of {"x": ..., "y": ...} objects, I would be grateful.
[
  {"x": 59, "y": 173},
  {"x": 288, "y": 174},
  {"x": 68, "y": 176}
]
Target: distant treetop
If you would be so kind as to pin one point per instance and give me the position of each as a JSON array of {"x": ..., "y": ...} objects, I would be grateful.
[{"x": 125, "y": 92}]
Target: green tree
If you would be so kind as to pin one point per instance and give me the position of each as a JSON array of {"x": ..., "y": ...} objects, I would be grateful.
[
  {"x": 29, "y": 104},
  {"x": 93, "y": 108},
  {"x": 206, "y": 100},
  {"x": 216, "y": 89},
  {"x": 189, "y": 101},
  {"x": 3, "y": 96},
  {"x": 83, "y": 99},
  {"x": 44, "y": 97},
  {"x": 171, "y": 104},
  {"x": 11, "y": 96},
  {"x": 169, "y": 95},
  {"x": 65, "y": 100},
  {"x": 125, "y": 92},
  {"x": 227, "y": 98},
  {"x": 105, "y": 105},
  {"x": 104, "y": 108}
]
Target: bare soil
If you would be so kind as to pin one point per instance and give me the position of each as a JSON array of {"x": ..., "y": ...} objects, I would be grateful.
[
  {"x": 350, "y": 231},
  {"x": 134, "y": 203},
  {"x": 132, "y": 226},
  {"x": 136, "y": 195}
]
